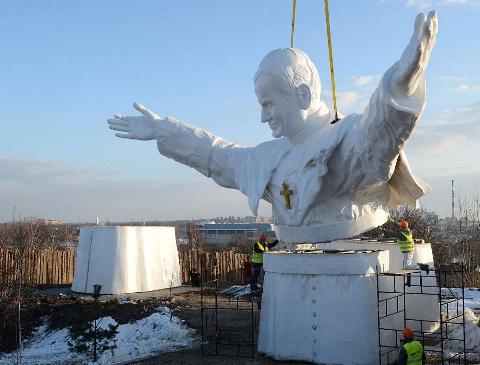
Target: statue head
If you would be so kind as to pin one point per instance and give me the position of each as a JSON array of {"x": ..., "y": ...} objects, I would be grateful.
[{"x": 288, "y": 89}]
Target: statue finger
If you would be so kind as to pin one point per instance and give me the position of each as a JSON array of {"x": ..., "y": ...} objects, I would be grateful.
[
  {"x": 146, "y": 112},
  {"x": 119, "y": 128},
  {"x": 430, "y": 35},
  {"x": 121, "y": 117},
  {"x": 117, "y": 122},
  {"x": 418, "y": 27},
  {"x": 124, "y": 135}
]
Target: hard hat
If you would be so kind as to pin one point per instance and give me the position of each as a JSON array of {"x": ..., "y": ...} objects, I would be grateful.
[
  {"x": 262, "y": 237},
  {"x": 404, "y": 224},
  {"x": 407, "y": 333}
]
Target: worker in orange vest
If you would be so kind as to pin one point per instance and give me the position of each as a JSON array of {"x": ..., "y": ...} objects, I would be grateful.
[
  {"x": 406, "y": 244},
  {"x": 411, "y": 353}
]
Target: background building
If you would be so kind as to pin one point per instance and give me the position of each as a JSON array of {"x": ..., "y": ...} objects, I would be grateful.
[{"x": 225, "y": 234}]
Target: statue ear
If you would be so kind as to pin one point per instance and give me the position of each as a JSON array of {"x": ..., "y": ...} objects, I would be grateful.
[{"x": 304, "y": 96}]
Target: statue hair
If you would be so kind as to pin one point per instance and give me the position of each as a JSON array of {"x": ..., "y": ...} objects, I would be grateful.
[{"x": 292, "y": 68}]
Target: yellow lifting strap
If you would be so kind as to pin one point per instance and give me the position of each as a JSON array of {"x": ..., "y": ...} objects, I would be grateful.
[
  {"x": 330, "y": 54},
  {"x": 294, "y": 6}
]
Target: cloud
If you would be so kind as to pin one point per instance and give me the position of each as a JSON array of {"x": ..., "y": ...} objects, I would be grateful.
[
  {"x": 423, "y": 4},
  {"x": 443, "y": 145},
  {"x": 449, "y": 171},
  {"x": 76, "y": 194},
  {"x": 464, "y": 88},
  {"x": 346, "y": 99},
  {"x": 452, "y": 78},
  {"x": 365, "y": 79},
  {"x": 461, "y": 2},
  {"x": 448, "y": 132}
]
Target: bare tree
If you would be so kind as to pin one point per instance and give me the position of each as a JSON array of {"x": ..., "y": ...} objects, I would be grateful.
[{"x": 195, "y": 239}]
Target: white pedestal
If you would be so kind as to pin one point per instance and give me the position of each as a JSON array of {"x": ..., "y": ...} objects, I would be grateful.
[
  {"x": 125, "y": 259},
  {"x": 322, "y": 307}
]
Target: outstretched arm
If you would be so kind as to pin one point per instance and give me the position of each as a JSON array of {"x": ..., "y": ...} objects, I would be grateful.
[
  {"x": 210, "y": 155},
  {"x": 371, "y": 154},
  {"x": 400, "y": 97},
  {"x": 408, "y": 73},
  {"x": 395, "y": 106}
]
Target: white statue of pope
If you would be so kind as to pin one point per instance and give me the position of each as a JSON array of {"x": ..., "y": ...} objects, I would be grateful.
[{"x": 324, "y": 181}]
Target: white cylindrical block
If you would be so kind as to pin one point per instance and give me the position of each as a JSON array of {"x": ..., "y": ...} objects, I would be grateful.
[{"x": 321, "y": 307}]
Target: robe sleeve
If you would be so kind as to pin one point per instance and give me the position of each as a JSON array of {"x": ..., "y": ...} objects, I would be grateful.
[
  {"x": 210, "y": 155},
  {"x": 372, "y": 150},
  {"x": 247, "y": 169}
]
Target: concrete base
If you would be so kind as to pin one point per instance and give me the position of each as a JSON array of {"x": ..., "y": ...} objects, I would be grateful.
[{"x": 322, "y": 307}]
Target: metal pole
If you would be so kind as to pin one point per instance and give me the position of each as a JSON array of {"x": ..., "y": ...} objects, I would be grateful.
[
  {"x": 463, "y": 315},
  {"x": 404, "y": 303},
  {"x": 378, "y": 320},
  {"x": 440, "y": 304},
  {"x": 201, "y": 300},
  {"x": 252, "y": 327},
  {"x": 19, "y": 273},
  {"x": 95, "y": 340},
  {"x": 216, "y": 314}
]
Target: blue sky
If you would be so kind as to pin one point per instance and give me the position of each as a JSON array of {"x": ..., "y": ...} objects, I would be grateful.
[{"x": 68, "y": 66}]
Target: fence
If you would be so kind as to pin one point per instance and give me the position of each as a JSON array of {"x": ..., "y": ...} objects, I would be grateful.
[
  {"x": 45, "y": 267},
  {"x": 228, "y": 265},
  {"x": 48, "y": 267}
]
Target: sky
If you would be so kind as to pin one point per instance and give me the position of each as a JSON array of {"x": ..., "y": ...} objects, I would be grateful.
[{"x": 68, "y": 66}]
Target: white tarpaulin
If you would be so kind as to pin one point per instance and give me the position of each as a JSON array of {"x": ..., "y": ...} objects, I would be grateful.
[{"x": 126, "y": 259}]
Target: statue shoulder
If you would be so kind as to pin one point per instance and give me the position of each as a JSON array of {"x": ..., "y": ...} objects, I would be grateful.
[
  {"x": 349, "y": 122},
  {"x": 273, "y": 146}
]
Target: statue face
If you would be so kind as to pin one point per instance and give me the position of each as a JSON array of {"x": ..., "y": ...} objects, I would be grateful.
[{"x": 280, "y": 107}]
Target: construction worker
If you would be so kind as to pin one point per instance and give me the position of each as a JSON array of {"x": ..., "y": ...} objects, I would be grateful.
[
  {"x": 406, "y": 245},
  {"x": 259, "y": 248},
  {"x": 411, "y": 352}
]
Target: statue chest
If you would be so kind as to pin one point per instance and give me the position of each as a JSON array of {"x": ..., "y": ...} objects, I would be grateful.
[{"x": 294, "y": 187}]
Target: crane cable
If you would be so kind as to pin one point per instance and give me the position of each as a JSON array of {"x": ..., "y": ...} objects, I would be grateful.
[
  {"x": 294, "y": 6},
  {"x": 330, "y": 55},
  {"x": 330, "y": 52}
]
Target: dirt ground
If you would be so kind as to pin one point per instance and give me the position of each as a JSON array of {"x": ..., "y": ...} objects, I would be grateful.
[
  {"x": 64, "y": 308},
  {"x": 234, "y": 323},
  {"x": 234, "y": 316}
]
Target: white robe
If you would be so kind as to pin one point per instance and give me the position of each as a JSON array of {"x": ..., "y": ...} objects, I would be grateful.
[{"x": 344, "y": 178}]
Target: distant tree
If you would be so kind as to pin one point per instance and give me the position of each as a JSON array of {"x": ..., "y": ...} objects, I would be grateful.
[
  {"x": 195, "y": 239},
  {"x": 241, "y": 244}
]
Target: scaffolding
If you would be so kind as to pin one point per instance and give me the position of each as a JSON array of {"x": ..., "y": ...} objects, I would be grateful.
[
  {"x": 447, "y": 283},
  {"x": 229, "y": 321}
]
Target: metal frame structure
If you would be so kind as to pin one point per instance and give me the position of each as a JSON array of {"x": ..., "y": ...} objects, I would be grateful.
[
  {"x": 392, "y": 301},
  {"x": 221, "y": 336}
]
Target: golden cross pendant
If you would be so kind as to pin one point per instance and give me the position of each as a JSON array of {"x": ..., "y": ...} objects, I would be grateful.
[{"x": 286, "y": 194}]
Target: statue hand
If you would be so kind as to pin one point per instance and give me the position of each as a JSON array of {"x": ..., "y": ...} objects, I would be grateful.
[
  {"x": 410, "y": 69},
  {"x": 144, "y": 127}
]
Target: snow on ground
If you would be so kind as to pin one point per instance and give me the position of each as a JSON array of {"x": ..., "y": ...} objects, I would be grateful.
[
  {"x": 472, "y": 330},
  {"x": 472, "y": 337},
  {"x": 160, "y": 332},
  {"x": 471, "y": 297}
]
